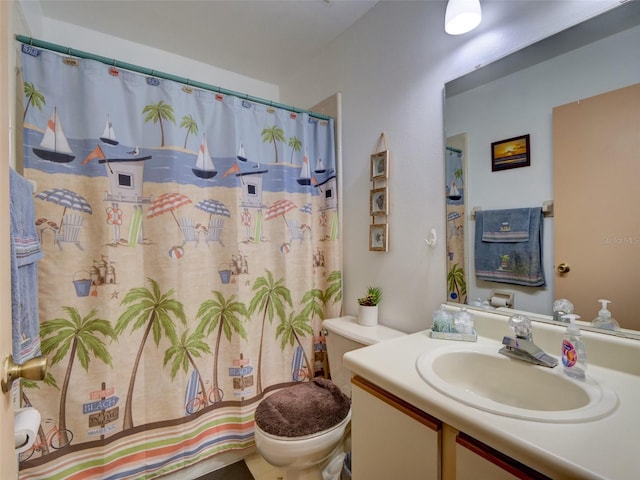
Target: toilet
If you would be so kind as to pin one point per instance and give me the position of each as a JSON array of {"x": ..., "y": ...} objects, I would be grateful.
[{"x": 302, "y": 429}]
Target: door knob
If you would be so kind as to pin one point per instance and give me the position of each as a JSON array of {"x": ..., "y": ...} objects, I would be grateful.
[
  {"x": 564, "y": 268},
  {"x": 34, "y": 369}
]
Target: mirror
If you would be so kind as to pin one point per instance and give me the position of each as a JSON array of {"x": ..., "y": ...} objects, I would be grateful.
[{"x": 515, "y": 96}]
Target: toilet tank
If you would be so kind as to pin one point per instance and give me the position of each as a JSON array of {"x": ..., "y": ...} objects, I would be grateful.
[{"x": 345, "y": 334}]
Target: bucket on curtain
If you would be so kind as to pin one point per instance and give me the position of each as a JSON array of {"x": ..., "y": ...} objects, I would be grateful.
[{"x": 194, "y": 313}]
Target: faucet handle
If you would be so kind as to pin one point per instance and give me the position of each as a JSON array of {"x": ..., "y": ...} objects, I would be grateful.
[{"x": 521, "y": 326}]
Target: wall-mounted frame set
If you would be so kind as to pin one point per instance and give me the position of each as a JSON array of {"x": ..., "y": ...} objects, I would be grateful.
[{"x": 379, "y": 198}]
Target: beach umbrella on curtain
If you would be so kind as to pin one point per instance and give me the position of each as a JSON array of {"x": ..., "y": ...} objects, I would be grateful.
[
  {"x": 280, "y": 207},
  {"x": 168, "y": 202},
  {"x": 67, "y": 199},
  {"x": 213, "y": 207},
  {"x": 452, "y": 217},
  {"x": 306, "y": 208}
]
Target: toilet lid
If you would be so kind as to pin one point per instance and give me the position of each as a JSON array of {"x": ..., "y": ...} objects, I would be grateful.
[{"x": 303, "y": 409}]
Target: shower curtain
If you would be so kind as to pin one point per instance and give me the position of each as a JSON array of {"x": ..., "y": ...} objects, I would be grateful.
[
  {"x": 455, "y": 202},
  {"x": 191, "y": 251}
]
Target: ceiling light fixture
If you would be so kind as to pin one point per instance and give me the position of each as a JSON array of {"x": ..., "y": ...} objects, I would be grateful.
[{"x": 462, "y": 16}]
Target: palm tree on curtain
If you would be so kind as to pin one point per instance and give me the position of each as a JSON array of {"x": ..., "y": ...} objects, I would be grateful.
[
  {"x": 273, "y": 135},
  {"x": 292, "y": 328},
  {"x": 35, "y": 98},
  {"x": 157, "y": 112},
  {"x": 334, "y": 288},
  {"x": 456, "y": 282},
  {"x": 269, "y": 298},
  {"x": 154, "y": 311},
  {"x": 313, "y": 300},
  {"x": 183, "y": 353},
  {"x": 225, "y": 316},
  {"x": 190, "y": 124},
  {"x": 79, "y": 337},
  {"x": 296, "y": 146}
]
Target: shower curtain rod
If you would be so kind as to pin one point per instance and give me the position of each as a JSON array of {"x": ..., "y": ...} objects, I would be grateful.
[{"x": 154, "y": 73}]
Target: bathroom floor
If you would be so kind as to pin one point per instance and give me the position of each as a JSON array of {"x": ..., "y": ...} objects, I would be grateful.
[{"x": 261, "y": 470}]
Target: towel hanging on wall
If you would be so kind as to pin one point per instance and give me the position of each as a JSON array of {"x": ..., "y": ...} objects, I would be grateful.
[
  {"x": 508, "y": 246},
  {"x": 25, "y": 253}
]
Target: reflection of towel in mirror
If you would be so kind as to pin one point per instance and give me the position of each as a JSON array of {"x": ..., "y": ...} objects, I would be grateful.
[
  {"x": 25, "y": 252},
  {"x": 508, "y": 246}
]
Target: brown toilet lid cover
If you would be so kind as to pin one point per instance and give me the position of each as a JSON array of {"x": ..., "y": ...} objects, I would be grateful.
[{"x": 303, "y": 409}]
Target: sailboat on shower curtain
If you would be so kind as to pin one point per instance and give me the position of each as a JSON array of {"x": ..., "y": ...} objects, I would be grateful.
[
  {"x": 54, "y": 145},
  {"x": 454, "y": 193},
  {"x": 204, "y": 167},
  {"x": 320, "y": 168},
  {"x": 241, "y": 155},
  {"x": 305, "y": 171},
  {"x": 108, "y": 135}
]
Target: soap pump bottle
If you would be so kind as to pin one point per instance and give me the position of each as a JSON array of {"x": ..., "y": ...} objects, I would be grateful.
[
  {"x": 574, "y": 355},
  {"x": 604, "y": 319}
]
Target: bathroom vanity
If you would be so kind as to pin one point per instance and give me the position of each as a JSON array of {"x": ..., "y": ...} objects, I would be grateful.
[{"x": 403, "y": 426}]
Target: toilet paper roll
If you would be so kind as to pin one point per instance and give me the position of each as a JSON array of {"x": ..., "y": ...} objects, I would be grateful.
[
  {"x": 26, "y": 424},
  {"x": 498, "y": 302}
]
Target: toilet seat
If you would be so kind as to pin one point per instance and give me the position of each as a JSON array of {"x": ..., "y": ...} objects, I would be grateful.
[
  {"x": 303, "y": 411},
  {"x": 336, "y": 427}
]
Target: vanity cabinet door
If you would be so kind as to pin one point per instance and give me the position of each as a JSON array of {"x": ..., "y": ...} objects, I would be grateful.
[
  {"x": 389, "y": 438},
  {"x": 477, "y": 461}
]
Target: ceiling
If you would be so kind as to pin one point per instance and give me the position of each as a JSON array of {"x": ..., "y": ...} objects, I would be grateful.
[
  {"x": 267, "y": 39},
  {"x": 261, "y": 39}
]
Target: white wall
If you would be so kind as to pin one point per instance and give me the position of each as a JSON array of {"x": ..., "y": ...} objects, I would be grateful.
[
  {"x": 522, "y": 103},
  {"x": 391, "y": 67},
  {"x": 86, "y": 40}
]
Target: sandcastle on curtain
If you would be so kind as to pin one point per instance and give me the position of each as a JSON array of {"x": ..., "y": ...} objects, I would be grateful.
[{"x": 191, "y": 251}]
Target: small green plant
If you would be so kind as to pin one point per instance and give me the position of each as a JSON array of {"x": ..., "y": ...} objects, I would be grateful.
[{"x": 372, "y": 298}]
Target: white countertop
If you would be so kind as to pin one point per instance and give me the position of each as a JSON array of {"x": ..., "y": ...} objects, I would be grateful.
[{"x": 606, "y": 448}]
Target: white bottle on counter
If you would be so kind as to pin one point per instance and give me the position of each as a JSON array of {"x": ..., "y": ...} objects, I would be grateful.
[
  {"x": 604, "y": 319},
  {"x": 574, "y": 354}
]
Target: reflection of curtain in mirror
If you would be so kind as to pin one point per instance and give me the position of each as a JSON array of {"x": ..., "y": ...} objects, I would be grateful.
[
  {"x": 454, "y": 171},
  {"x": 188, "y": 265}
]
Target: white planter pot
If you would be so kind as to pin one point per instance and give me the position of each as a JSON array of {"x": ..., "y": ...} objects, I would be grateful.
[{"x": 368, "y": 316}]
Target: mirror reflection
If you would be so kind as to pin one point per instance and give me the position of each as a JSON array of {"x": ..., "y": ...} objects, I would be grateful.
[{"x": 520, "y": 95}]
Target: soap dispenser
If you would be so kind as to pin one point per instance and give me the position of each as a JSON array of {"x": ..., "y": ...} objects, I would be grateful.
[
  {"x": 604, "y": 319},
  {"x": 574, "y": 355}
]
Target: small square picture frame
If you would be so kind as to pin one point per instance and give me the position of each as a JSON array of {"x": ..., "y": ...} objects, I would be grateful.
[
  {"x": 379, "y": 166},
  {"x": 511, "y": 153},
  {"x": 379, "y": 201},
  {"x": 378, "y": 237}
]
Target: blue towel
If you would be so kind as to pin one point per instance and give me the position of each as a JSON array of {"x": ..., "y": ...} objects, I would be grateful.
[
  {"x": 508, "y": 246},
  {"x": 25, "y": 253},
  {"x": 506, "y": 225}
]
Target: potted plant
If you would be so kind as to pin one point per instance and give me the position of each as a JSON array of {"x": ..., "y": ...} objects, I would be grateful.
[{"x": 368, "y": 310}]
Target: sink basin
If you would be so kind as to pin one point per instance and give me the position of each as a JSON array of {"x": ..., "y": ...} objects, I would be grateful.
[{"x": 479, "y": 376}]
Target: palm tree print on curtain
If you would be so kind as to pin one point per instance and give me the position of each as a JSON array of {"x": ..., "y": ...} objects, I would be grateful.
[{"x": 176, "y": 320}]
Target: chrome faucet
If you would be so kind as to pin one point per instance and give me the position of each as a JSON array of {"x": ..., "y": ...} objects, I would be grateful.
[{"x": 522, "y": 347}]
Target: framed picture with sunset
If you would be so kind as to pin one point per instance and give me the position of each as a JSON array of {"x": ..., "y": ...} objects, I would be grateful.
[{"x": 510, "y": 153}]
